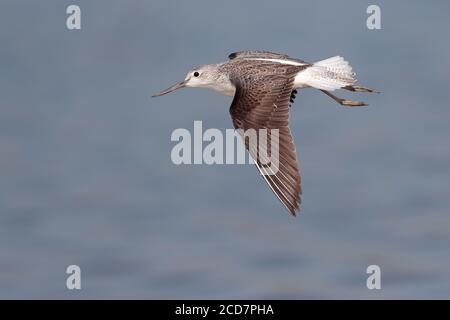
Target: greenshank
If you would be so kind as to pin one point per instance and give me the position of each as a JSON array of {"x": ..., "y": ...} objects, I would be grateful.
[{"x": 264, "y": 85}]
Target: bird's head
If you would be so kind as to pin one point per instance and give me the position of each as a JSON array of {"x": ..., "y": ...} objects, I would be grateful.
[{"x": 204, "y": 76}]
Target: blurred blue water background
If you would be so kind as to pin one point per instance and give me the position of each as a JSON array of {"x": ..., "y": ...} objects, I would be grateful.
[{"x": 86, "y": 176}]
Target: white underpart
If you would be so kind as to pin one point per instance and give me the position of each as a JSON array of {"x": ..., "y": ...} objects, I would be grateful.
[
  {"x": 282, "y": 61},
  {"x": 329, "y": 74},
  {"x": 225, "y": 88}
]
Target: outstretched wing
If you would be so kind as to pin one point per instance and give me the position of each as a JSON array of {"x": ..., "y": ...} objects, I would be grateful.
[
  {"x": 256, "y": 54},
  {"x": 262, "y": 54},
  {"x": 263, "y": 103}
]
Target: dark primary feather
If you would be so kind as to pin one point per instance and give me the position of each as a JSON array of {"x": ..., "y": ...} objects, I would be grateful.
[
  {"x": 292, "y": 98},
  {"x": 262, "y": 101}
]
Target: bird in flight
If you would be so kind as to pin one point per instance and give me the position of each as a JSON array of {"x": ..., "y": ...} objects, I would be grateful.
[{"x": 264, "y": 85}]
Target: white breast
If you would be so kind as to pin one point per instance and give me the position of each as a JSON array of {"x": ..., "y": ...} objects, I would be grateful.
[{"x": 226, "y": 88}]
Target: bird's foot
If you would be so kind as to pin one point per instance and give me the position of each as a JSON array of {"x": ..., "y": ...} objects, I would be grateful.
[
  {"x": 360, "y": 89},
  {"x": 351, "y": 103}
]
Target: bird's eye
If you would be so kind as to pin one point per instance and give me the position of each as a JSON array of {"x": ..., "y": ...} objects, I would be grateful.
[{"x": 196, "y": 74}]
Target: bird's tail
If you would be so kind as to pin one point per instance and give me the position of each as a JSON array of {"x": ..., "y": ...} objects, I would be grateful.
[{"x": 329, "y": 74}]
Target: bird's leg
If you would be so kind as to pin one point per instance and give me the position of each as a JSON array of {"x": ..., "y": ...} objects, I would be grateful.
[
  {"x": 360, "y": 89},
  {"x": 344, "y": 102}
]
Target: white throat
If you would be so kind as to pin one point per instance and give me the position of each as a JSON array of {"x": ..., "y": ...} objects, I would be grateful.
[{"x": 223, "y": 86}]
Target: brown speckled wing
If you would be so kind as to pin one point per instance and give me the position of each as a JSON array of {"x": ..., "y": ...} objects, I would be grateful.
[
  {"x": 261, "y": 54},
  {"x": 256, "y": 54},
  {"x": 263, "y": 102}
]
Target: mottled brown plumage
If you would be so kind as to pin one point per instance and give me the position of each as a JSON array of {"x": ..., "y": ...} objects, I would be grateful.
[{"x": 262, "y": 101}]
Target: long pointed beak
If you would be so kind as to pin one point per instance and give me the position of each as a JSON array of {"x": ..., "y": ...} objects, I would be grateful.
[{"x": 182, "y": 84}]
